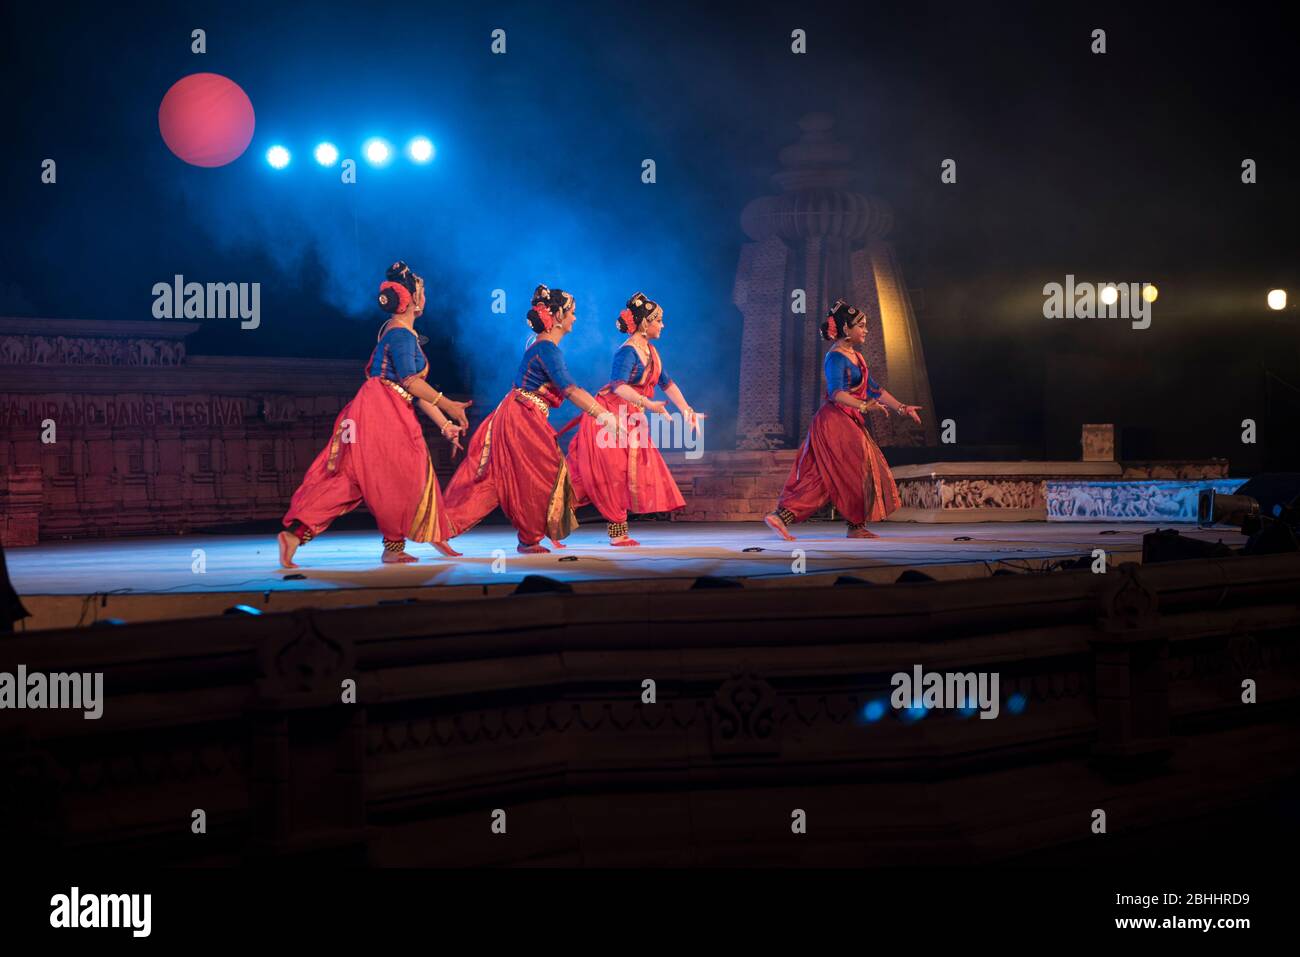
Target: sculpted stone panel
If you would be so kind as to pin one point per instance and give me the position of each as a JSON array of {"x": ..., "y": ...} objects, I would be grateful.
[
  {"x": 81, "y": 350},
  {"x": 920, "y": 493},
  {"x": 991, "y": 493},
  {"x": 1136, "y": 501}
]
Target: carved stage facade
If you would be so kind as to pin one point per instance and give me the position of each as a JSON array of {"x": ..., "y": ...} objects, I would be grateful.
[
  {"x": 1129, "y": 687},
  {"x": 111, "y": 428}
]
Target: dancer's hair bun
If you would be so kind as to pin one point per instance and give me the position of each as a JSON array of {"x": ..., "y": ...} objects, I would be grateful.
[
  {"x": 398, "y": 288},
  {"x": 839, "y": 317},
  {"x": 639, "y": 309},
  {"x": 401, "y": 273},
  {"x": 390, "y": 300},
  {"x": 547, "y": 304}
]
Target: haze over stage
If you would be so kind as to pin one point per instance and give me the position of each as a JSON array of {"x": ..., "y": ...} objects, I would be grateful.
[{"x": 136, "y": 579}]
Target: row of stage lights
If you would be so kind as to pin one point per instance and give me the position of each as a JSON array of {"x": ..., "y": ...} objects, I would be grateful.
[
  {"x": 376, "y": 150},
  {"x": 379, "y": 152},
  {"x": 1110, "y": 295}
]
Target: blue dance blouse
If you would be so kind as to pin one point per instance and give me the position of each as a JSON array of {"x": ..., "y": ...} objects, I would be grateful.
[
  {"x": 397, "y": 356},
  {"x": 628, "y": 369},
  {"x": 842, "y": 373},
  {"x": 543, "y": 364}
]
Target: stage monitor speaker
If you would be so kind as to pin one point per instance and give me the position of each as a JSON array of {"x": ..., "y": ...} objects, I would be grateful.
[
  {"x": 850, "y": 580},
  {"x": 912, "y": 576},
  {"x": 541, "y": 584},
  {"x": 1168, "y": 545},
  {"x": 1274, "y": 538}
]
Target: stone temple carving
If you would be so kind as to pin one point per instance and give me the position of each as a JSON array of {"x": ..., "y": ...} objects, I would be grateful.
[
  {"x": 81, "y": 350},
  {"x": 821, "y": 237}
]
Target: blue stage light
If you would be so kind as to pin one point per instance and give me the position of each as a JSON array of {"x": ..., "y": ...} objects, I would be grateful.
[
  {"x": 378, "y": 152},
  {"x": 420, "y": 149},
  {"x": 278, "y": 157},
  {"x": 327, "y": 154},
  {"x": 874, "y": 711},
  {"x": 1016, "y": 703},
  {"x": 911, "y": 715}
]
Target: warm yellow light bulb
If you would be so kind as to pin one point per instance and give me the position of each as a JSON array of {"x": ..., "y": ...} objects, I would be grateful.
[
  {"x": 1149, "y": 292},
  {"x": 1277, "y": 299},
  {"x": 1110, "y": 295}
]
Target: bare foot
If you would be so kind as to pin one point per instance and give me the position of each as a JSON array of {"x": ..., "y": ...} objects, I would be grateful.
[
  {"x": 623, "y": 542},
  {"x": 446, "y": 549},
  {"x": 555, "y": 544},
  {"x": 775, "y": 524},
  {"x": 861, "y": 533},
  {"x": 537, "y": 548},
  {"x": 399, "y": 558},
  {"x": 288, "y": 545}
]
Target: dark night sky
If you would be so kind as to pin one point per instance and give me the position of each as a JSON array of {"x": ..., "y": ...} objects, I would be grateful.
[{"x": 1124, "y": 167}]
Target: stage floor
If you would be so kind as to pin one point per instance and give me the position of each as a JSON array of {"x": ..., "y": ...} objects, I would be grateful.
[{"x": 77, "y": 583}]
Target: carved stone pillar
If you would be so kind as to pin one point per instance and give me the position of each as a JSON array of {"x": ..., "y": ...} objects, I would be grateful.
[{"x": 819, "y": 237}]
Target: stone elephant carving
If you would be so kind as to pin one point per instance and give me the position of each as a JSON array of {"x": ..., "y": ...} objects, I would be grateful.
[
  {"x": 1085, "y": 504},
  {"x": 13, "y": 350},
  {"x": 143, "y": 353}
]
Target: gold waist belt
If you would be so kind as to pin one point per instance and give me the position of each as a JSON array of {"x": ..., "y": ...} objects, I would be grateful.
[
  {"x": 536, "y": 400},
  {"x": 399, "y": 390}
]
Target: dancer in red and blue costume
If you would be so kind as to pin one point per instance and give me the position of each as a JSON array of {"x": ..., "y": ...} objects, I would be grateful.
[
  {"x": 839, "y": 462},
  {"x": 377, "y": 453},
  {"x": 514, "y": 459},
  {"x": 629, "y": 475}
]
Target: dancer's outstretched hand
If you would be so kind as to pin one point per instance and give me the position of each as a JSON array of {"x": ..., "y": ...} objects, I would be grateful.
[
  {"x": 653, "y": 405},
  {"x": 457, "y": 411},
  {"x": 911, "y": 412},
  {"x": 451, "y": 433}
]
